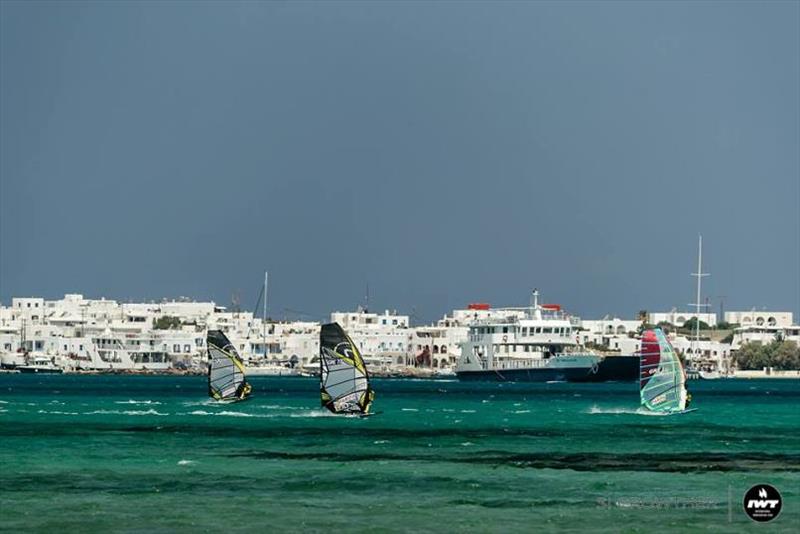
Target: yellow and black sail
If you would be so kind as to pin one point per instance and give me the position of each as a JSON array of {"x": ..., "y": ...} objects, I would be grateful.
[
  {"x": 226, "y": 378},
  {"x": 344, "y": 381}
]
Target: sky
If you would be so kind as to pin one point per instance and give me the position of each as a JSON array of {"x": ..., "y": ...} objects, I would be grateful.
[{"x": 439, "y": 153}]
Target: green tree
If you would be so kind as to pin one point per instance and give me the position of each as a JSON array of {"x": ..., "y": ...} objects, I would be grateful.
[
  {"x": 691, "y": 325},
  {"x": 783, "y": 355},
  {"x": 166, "y": 322}
]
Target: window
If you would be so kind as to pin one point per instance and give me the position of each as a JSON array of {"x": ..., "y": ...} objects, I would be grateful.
[
  {"x": 187, "y": 348},
  {"x": 505, "y": 330},
  {"x": 176, "y": 348}
]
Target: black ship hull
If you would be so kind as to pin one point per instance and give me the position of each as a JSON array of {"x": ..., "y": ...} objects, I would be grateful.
[{"x": 609, "y": 369}]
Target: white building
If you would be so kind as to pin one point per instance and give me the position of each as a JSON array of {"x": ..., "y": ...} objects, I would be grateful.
[
  {"x": 678, "y": 318},
  {"x": 760, "y": 318}
]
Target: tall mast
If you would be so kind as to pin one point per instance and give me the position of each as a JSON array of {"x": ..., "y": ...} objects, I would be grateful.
[
  {"x": 698, "y": 305},
  {"x": 266, "y": 286}
]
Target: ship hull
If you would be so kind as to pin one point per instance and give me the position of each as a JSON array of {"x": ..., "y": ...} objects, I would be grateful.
[
  {"x": 615, "y": 369},
  {"x": 573, "y": 374},
  {"x": 40, "y": 370},
  {"x": 609, "y": 369}
]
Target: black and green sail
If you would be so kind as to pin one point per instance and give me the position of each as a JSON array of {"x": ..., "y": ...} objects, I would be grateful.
[
  {"x": 344, "y": 381},
  {"x": 226, "y": 378}
]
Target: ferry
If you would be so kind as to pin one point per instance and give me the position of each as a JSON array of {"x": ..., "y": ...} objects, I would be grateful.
[{"x": 534, "y": 344}]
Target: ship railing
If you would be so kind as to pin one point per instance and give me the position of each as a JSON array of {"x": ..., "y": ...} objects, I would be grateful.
[{"x": 507, "y": 365}]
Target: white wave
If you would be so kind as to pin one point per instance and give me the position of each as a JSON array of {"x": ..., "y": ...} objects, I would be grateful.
[
  {"x": 207, "y": 402},
  {"x": 556, "y": 381},
  {"x": 321, "y": 413},
  {"x": 235, "y": 414},
  {"x": 467, "y": 444},
  {"x": 522, "y": 411},
  {"x": 125, "y": 412},
  {"x": 467, "y": 411},
  {"x": 186, "y": 462},
  {"x": 3, "y": 402},
  {"x": 381, "y": 442},
  {"x": 58, "y": 412},
  {"x": 629, "y": 411},
  {"x": 409, "y": 410},
  {"x": 131, "y": 401}
]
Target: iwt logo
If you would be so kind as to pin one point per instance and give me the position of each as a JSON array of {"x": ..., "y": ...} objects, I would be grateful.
[{"x": 762, "y": 503}]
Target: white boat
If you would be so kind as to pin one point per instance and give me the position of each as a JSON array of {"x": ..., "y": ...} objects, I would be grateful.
[
  {"x": 534, "y": 344},
  {"x": 709, "y": 375},
  {"x": 271, "y": 370},
  {"x": 40, "y": 364}
]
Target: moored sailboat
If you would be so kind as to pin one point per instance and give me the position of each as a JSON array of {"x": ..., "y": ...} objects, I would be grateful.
[
  {"x": 344, "y": 380},
  {"x": 226, "y": 378},
  {"x": 662, "y": 380}
]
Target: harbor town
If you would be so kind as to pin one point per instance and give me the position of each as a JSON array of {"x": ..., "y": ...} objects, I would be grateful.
[{"x": 90, "y": 335}]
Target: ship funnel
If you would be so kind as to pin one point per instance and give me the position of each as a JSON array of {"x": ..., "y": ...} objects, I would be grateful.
[{"x": 535, "y": 298}]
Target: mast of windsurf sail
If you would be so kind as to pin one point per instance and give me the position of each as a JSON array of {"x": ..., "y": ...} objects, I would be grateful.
[{"x": 698, "y": 306}]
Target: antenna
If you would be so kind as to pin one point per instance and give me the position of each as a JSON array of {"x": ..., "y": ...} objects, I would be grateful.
[
  {"x": 366, "y": 300},
  {"x": 698, "y": 306},
  {"x": 722, "y": 306}
]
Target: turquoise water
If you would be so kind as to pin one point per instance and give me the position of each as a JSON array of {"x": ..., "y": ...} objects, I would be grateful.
[{"x": 151, "y": 454}]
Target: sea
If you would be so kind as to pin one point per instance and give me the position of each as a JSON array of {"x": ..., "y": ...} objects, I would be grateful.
[{"x": 151, "y": 454}]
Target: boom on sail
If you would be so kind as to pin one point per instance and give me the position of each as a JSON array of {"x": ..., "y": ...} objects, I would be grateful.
[
  {"x": 344, "y": 381},
  {"x": 226, "y": 379}
]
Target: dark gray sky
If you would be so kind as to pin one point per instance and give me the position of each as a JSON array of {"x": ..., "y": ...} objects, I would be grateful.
[{"x": 441, "y": 152}]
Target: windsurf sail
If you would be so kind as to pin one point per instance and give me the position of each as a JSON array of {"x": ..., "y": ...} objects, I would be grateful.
[
  {"x": 226, "y": 380},
  {"x": 344, "y": 381},
  {"x": 662, "y": 381}
]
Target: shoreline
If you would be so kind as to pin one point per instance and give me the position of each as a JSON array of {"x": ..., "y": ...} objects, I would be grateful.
[{"x": 418, "y": 374}]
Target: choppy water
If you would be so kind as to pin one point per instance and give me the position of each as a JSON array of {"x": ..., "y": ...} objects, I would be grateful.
[{"x": 151, "y": 454}]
